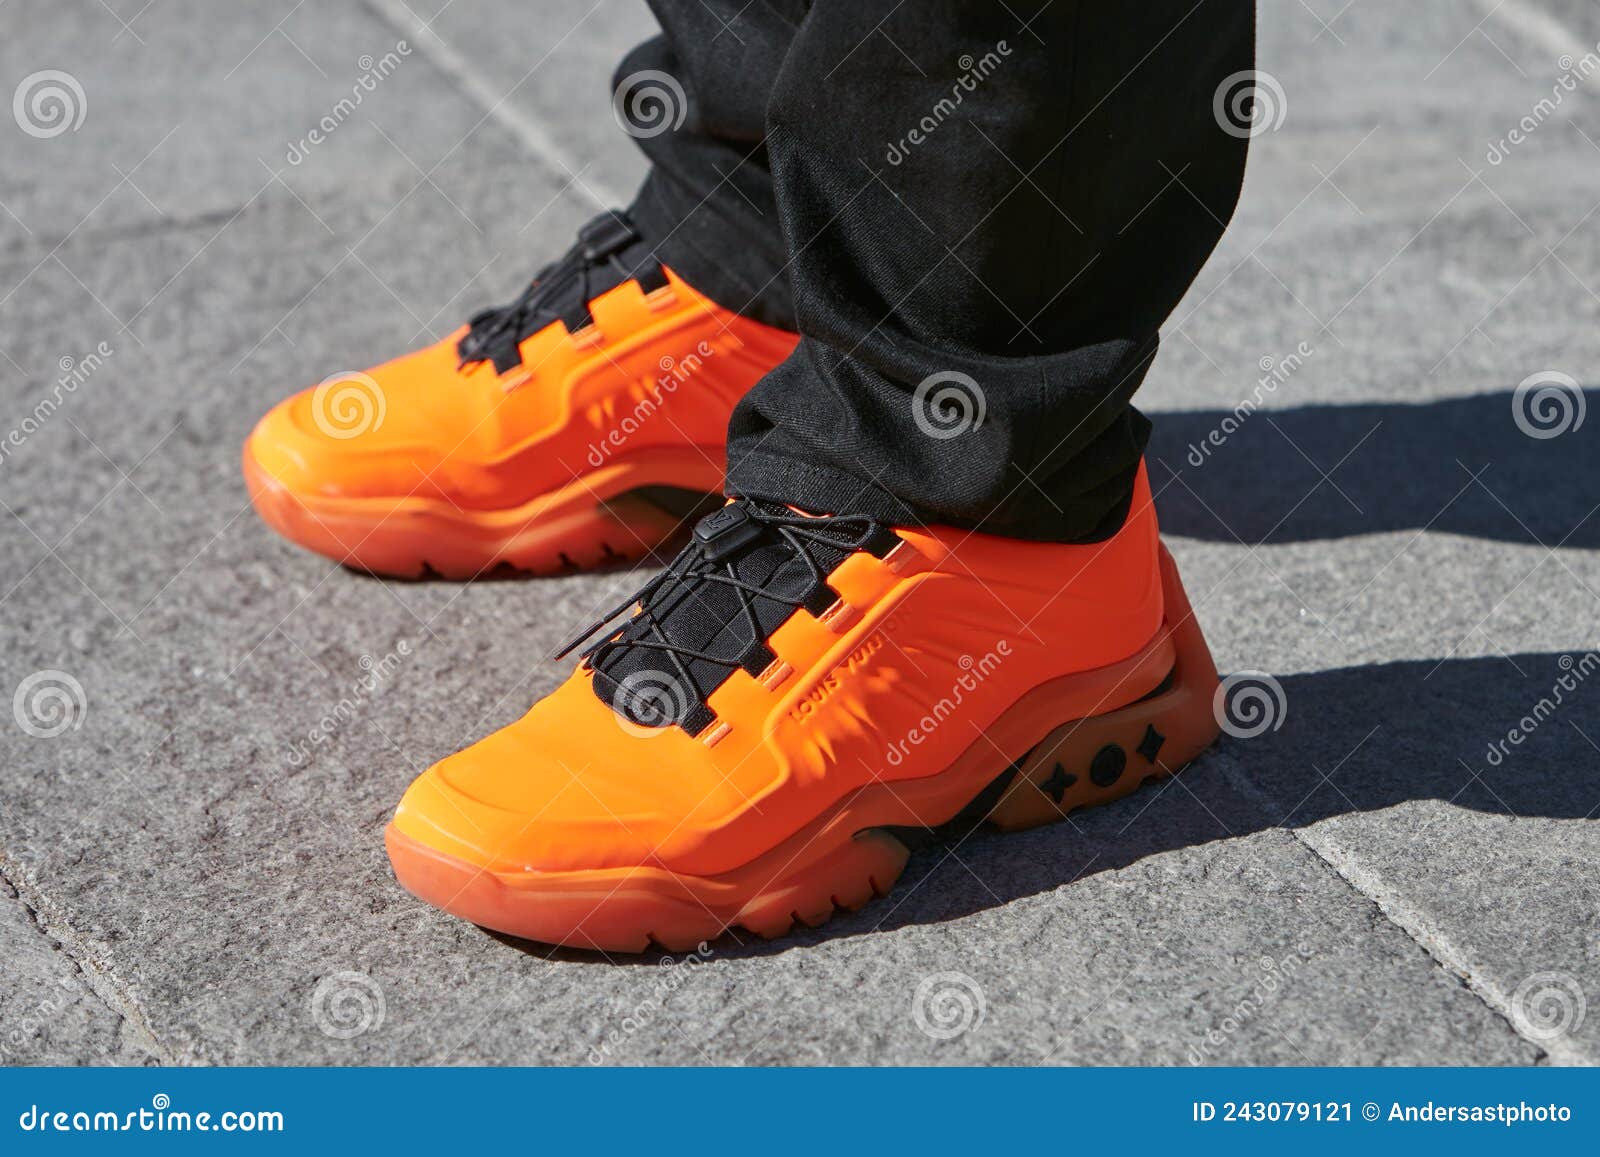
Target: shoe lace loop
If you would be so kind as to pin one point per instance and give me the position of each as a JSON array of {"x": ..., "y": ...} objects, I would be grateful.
[
  {"x": 494, "y": 334},
  {"x": 711, "y": 558}
]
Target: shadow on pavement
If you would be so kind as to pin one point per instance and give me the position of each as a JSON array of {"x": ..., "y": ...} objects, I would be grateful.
[
  {"x": 1352, "y": 740},
  {"x": 1458, "y": 466}
]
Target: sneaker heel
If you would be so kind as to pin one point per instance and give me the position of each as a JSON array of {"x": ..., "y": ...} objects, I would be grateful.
[{"x": 1100, "y": 758}]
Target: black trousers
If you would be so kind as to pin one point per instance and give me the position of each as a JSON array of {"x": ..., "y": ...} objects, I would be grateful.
[{"x": 976, "y": 214}]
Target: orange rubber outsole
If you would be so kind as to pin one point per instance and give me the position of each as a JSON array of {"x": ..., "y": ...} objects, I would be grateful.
[
  {"x": 596, "y": 521},
  {"x": 1029, "y": 769}
]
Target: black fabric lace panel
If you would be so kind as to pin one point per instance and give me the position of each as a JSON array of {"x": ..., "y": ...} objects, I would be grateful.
[
  {"x": 608, "y": 252},
  {"x": 746, "y": 569}
]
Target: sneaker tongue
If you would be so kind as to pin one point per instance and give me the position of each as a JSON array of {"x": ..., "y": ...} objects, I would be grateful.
[{"x": 644, "y": 685}]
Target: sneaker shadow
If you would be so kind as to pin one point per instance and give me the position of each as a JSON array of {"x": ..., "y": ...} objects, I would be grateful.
[
  {"x": 1352, "y": 740},
  {"x": 1459, "y": 466}
]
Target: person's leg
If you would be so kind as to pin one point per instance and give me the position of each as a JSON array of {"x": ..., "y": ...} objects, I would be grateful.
[
  {"x": 695, "y": 98},
  {"x": 1013, "y": 197}
]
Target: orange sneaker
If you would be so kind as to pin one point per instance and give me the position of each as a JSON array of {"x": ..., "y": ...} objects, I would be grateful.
[
  {"x": 797, "y": 703},
  {"x": 582, "y": 423}
]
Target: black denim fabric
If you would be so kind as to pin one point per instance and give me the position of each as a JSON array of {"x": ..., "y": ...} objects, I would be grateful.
[{"x": 977, "y": 215}]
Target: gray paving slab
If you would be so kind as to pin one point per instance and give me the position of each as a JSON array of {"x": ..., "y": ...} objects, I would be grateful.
[
  {"x": 552, "y": 82},
  {"x": 1385, "y": 240},
  {"x": 1418, "y": 650},
  {"x": 188, "y": 111},
  {"x": 204, "y": 883},
  {"x": 1393, "y": 759},
  {"x": 50, "y": 1012}
]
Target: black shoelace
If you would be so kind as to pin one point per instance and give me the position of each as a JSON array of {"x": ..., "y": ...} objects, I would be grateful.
[
  {"x": 748, "y": 566},
  {"x": 608, "y": 252}
]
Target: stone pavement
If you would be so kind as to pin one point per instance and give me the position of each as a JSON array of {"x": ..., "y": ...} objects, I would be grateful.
[{"x": 1372, "y": 882}]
